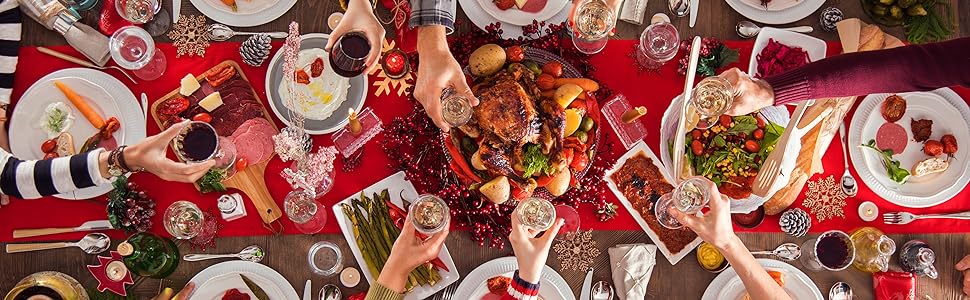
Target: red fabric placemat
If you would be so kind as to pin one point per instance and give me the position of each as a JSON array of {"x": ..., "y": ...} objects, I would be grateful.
[{"x": 616, "y": 70}]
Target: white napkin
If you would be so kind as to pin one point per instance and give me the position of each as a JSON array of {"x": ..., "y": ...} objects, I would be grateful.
[{"x": 632, "y": 265}]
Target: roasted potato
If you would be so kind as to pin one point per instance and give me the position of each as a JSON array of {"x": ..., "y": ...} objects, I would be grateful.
[
  {"x": 477, "y": 161},
  {"x": 916, "y": 10},
  {"x": 486, "y": 60},
  {"x": 559, "y": 183},
  {"x": 895, "y": 12},
  {"x": 497, "y": 190}
]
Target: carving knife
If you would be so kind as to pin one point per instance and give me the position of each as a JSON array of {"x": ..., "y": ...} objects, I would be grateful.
[
  {"x": 584, "y": 294},
  {"x": 87, "y": 226}
]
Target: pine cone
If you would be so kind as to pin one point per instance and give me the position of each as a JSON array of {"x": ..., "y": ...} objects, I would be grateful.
[
  {"x": 829, "y": 17},
  {"x": 255, "y": 50},
  {"x": 795, "y": 222}
]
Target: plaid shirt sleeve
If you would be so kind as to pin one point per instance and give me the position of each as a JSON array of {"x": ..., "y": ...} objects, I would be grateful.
[{"x": 433, "y": 12}]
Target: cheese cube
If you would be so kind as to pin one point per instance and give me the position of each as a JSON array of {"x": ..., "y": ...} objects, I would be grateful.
[
  {"x": 211, "y": 102},
  {"x": 189, "y": 85}
]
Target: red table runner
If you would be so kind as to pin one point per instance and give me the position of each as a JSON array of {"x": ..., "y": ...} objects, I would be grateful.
[{"x": 616, "y": 70}]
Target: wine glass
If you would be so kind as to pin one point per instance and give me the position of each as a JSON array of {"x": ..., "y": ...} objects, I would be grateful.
[
  {"x": 455, "y": 108},
  {"x": 536, "y": 213},
  {"x": 711, "y": 98},
  {"x": 832, "y": 250},
  {"x": 308, "y": 215},
  {"x": 183, "y": 220},
  {"x": 689, "y": 198},
  {"x": 429, "y": 214},
  {"x": 132, "y": 48},
  {"x": 137, "y": 11},
  {"x": 592, "y": 22},
  {"x": 349, "y": 54},
  {"x": 197, "y": 142},
  {"x": 659, "y": 43}
]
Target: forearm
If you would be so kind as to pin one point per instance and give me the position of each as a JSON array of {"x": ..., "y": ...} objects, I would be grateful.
[
  {"x": 756, "y": 280},
  {"x": 37, "y": 178},
  {"x": 360, "y": 4},
  {"x": 522, "y": 289},
  {"x": 432, "y": 39},
  {"x": 904, "y": 69}
]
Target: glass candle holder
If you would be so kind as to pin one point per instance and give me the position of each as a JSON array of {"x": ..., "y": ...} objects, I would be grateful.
[{"x": 325, "y": 258}]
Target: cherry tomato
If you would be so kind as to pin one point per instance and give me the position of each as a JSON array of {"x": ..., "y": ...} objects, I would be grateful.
[
  {"x": 49, "y": 146},
  {"x": 758, "y": 134},
  {"x": 949, "y": 144},
  {"x": 580, "y": 160},
  {"x": 696, "y": 134},
  {"x": 241, "y": 164},
  {"x": 50, "y": 155},
  {"x": 751, "y": 146},
  {"x": 697, "y": 147},
  {"x": 553, "y": 68},
  {"x": 726, "y": 121},
  {"x": 543, "y": 180},
  {"x": 546, "y": 82},
  {"x": 761, "y": 122},
  {"x": 515, "y": 53},
  {"x": 504, "y": 4},
  {"x": 202, "y": 117}
]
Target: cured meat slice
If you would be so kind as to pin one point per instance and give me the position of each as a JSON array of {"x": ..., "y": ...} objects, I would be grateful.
[
  {"x": 253, "y": 140},
  {"x": 892, "y": 136}
]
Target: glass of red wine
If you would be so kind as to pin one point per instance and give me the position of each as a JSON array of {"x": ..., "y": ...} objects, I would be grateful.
[
  {"x": 196, "y": 143},
  {"x": 349, "y": 54},
  {"x": 833, "y": 250}
]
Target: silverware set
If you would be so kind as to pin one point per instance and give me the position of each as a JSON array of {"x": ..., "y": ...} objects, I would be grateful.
[{"x": 903, "y": 218}]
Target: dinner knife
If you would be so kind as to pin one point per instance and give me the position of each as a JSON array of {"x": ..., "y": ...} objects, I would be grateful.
[
  {"x": 86, "y": 226},
  {"x": 587, "y": 285},
  {"x": 693, "y": 12},
  {"x": 176, "y": 10},
  {"x": 307, "y": 290},
  {"x": 257, "y": 291},
  {"x": 679, "y": 139}
]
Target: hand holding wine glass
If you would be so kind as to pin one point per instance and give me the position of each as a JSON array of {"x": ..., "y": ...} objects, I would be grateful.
[
  {"x": 713, "y": 227},
  {"x": 531, "y": 252},
  {"x": 360, "y": 18},
  {"x": 409, "y": 251},
  {"x": 749, "y": 94},
  {"x": 438, "y": 71},
  {"x": 149, "y": 154}
]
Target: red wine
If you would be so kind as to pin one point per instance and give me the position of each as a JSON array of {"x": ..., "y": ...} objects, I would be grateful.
[
  {"x": 199, "y": 143},
  {"x": 832, "y": 252},
  {"x": 347, "y": 57}
]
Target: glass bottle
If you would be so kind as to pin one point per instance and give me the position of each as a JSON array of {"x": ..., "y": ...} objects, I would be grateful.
[
  {"x": 149, "y": 255},
  {"x": 917, "y": 257},
  {"x": 873, "y": 249}
]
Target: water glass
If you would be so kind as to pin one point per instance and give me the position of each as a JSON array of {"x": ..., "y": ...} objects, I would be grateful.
[
  {"x": 536, "y": 213},
  {"x": 689, "y": 198},
  {"x": 833, "y": 250},
  {"x": 308, "y": 215},
  {"x": 429, "y": 214},
  {"x": 659, "y": 43},
  {"x": 183, "y": 220},
  {"x": 349, "y": 54},
  {"x": 325, "y": 258},
  {"x": 592, "y": 22},
  {"x": 455, "y": 108},
  {"x": 132, "y": 48},
  {"x": 137, "y": 11}
]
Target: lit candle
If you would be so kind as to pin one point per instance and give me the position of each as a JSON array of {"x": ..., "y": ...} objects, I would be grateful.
[
  {"x": 334, "y": 19},
  {"x": 116, "y": 270},
  {"x": 349, "y": 277},
  {"x": 354, "y": 126},
  {"x": 633, "y": 114},
  {"x": 868, "y": 211}
]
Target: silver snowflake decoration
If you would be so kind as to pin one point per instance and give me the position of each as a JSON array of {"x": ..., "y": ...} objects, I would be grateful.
[
  {"x": 825, "y": 199},
  {"x": 576, "y": 250},
  {"x": 189, "y": 36}
]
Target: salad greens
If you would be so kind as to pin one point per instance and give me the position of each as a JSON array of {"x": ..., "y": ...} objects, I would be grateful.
[
  {"x": 212, "y": 182},
  {"x": 896, "y": 173},
  {"x": 535, "y": 162},
  {"x": 725, "y": 155}
]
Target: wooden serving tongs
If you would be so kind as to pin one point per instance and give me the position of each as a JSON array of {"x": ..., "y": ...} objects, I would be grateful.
[
  {"x": 772, "y": 168},
  {"x": 679, "y": 138}
]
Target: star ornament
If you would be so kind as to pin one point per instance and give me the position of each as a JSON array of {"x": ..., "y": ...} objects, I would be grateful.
[{"x": 112, "y": 274}]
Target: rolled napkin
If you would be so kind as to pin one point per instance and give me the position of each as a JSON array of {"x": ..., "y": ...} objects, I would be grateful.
[
  {"x": 632, "y": 265},
  {"x": 894, "y": 285},
  {"x": 57, "y": 17}
]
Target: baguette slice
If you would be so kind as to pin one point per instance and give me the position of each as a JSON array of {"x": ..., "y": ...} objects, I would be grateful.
[
  {"x": 65, "y": 145},
  {"x": 929, "y": 166}
]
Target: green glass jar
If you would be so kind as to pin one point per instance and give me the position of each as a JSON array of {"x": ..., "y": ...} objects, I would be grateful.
[{"x": 149, "y": 255}]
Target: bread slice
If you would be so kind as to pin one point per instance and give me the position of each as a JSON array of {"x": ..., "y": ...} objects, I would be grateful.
[
  {"x": 929, "y": 166},
  {"x": 65, "y": 145}
]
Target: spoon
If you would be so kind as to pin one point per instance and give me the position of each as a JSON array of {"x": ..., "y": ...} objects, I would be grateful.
[
  {"x": 601, "y": 291},
  {"x": 747, "y": 29},
  {"x": 840, "y": 291},
  {"x": 849, "y": 186},
  {"x": 93, "y": 243},
  {"x": 786, "y": 251},
  {"x": 219, "y": 32},
  {"x": 252, "y": 253},
  {"x": 330, "y": 292}
]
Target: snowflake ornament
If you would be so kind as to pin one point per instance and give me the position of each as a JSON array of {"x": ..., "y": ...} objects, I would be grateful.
[
  {"x": 825, "y": 199},
  {"x": 189, "y": 36},
  {"x": 576, "y": 250}
]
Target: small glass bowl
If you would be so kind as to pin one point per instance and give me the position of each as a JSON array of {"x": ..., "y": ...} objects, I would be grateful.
[{"x": 325, "y": 248}]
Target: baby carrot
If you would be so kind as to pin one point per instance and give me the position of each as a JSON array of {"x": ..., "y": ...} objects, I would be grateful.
[{"x": 81, "y": 105}]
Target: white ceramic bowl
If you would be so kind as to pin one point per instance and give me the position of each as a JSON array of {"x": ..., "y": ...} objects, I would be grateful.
[{"x": 815, "y": 47}]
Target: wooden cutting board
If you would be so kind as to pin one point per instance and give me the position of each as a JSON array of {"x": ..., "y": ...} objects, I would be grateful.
[{"x": 252, "y": 180}]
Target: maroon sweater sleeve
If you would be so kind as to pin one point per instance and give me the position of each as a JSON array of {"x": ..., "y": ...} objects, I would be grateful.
[{"x": 903, "y": 69}]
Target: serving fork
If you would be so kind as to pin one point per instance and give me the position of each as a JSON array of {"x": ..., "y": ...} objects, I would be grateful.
[{"x": 902, "y": 218}]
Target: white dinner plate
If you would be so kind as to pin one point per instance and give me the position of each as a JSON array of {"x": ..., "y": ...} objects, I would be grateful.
[
  {"x": 355, "y": 96},
  {"x": 213, "y": 282},
  {"x": 481, "y": 18},
  {"x": 640, "y": 146},
  {"x": 552, "y": 286},
  {"x": 668, "y": 128},
  {"x": 773, "y": 5},
  {"x": 249, "y": 13},
  {"x": 803, "y": 9},
  {"x": 950, "y": 115},
  {"x": 514, "y": 16},
  {"x": 728, "y": 286},
  {"x": 396, "y": 185},
  {"x": 107, "y": 96}
]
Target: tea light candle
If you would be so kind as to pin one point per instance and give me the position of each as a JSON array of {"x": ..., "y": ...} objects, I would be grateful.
[
  {"x": 334, "y": 19},
  {"x": 349, "y": 277},
  {"x": 354, "y": 126},
  {"x": 633, "y": 114},
  {"x": 868, "y": 211},
  {"x": 116, "y": 270}
]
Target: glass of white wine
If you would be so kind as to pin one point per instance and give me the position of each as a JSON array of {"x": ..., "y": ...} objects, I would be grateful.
[
  {"x": 455, "y": 108},
  {"x": 689, "y": 198},
  {"x": 536, "y": 213},
  {"x": 711, "y": 98},
  {"x": 183, "y": 220},
  {"x": 593, "y": 20}
]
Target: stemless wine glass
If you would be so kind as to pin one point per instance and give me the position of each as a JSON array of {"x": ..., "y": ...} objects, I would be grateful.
[
  {"x": 308, "y": 215},
  {"x": 592, "y": 22},
  {"x": 349, "y": 54},
  {"x": 833, "y": 250},
  {"x": 137, "y": 11},
  {"x": 536, "y": 213},
  {"x": 429, "y": 214},
  {"x": 689, "y": 198},
  {"x": 132, "y": 48},
  {"x": 455, "y": 108},
  {"x": 183, "y": 220},
  {"x": 659, "y": 43},
  {"x": 711, "y": 98}
]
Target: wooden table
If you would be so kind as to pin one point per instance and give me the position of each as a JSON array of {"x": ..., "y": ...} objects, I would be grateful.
[{"x": 287, "y": 253}]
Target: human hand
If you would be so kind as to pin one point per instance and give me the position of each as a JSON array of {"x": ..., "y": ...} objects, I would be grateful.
[
  {"x": 749, "y": 94},
  {"x": 409, "y": 251},
  {"x": 964, "y": 267},
  {"x": 714, "y": 227},
  {"x": 531, "y": 252},
  {"x": 438, "y": 70},
  {"x": 360, "y": 17},
  {"x": 182, "y": 295},
  {"x": 149, "y": 154}
]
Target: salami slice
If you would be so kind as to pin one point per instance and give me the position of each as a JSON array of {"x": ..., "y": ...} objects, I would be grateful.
[
  {"x": 892, "y": 136},
  {"x": 254, "y": 140}
]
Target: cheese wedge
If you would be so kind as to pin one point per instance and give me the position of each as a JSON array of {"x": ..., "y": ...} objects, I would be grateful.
[
  {"x": 211, "y": 102},
  {"x": 189, "y": 85}
]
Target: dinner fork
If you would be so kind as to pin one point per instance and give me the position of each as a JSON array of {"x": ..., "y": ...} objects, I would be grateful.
[
  {"x": 902, "y": 218},
  {"x": 82, "y": 62}
]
